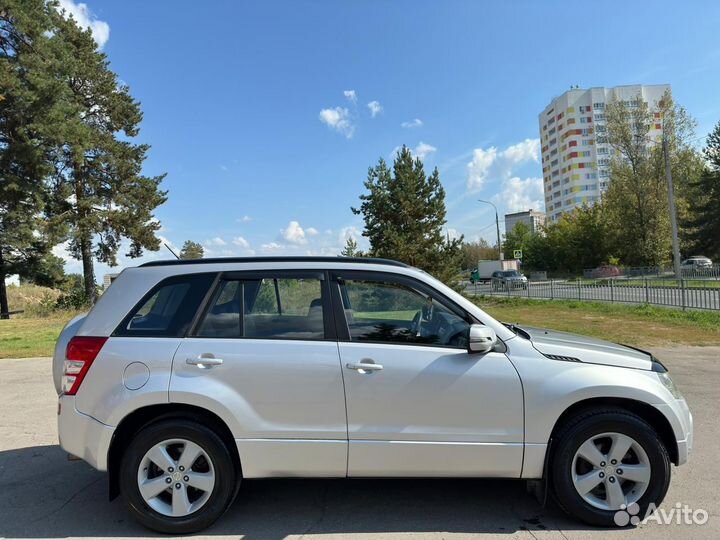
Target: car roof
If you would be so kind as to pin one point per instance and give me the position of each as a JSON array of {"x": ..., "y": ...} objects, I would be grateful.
[{"x": 288, "y": 259}]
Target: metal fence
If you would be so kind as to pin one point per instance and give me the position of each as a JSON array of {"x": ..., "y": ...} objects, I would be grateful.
[
  {"x": 685, "y": 294},
  {"x": 712, "y": 272}
]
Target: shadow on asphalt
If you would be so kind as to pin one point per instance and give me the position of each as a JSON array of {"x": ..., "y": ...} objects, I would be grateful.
[{"x": 43, "y": 495}]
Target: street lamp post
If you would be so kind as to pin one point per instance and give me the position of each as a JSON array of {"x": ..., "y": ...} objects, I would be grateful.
[{"x": 497, "y": 227}]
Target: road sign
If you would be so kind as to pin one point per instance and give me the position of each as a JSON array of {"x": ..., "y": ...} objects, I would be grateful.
[{"x": 517, "y": 253}]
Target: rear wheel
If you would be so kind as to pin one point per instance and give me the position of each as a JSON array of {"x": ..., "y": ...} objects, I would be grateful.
[
  {"x": 177, "y": 476},
  {"x": 608, "y": 466}
]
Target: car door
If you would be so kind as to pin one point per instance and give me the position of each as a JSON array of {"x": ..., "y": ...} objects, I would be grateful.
[
  {"x": 418, "y": 404},
  {"x": 264, "y": 356}
]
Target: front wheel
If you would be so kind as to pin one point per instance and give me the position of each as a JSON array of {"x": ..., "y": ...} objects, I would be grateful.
[
  {"x": 177, "y": 476},
  {"x": 608, "y": 467}
]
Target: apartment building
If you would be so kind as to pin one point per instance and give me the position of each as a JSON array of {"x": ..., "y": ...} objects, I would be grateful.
[
  {"x": 575, "y": 150},
  {"x": 532, "y": 218}
]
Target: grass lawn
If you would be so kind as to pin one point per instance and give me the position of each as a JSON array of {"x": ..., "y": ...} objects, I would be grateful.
[
  {"x": 634, "y": 325},
  {"x": 22, "y": 338}
]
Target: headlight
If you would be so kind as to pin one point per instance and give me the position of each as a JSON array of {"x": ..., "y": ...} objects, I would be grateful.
[{"x": 670, "y": 385}]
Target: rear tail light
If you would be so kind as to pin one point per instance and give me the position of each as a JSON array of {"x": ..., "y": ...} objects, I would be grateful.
[{"x": 79, "y": 356}]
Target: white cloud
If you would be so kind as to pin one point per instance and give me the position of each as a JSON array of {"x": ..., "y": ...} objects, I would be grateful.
[
  {"x": 245, "y": 219},
  {"x": 499, "y": 164},
  {"x": 347, "y": 233},
  {"x": 351, "y": 96},
  {"x": 100, "y": 30},
  {"x": 223, "y": 167},
  {"x": 339, "y": 120},
  {"x": 241, "y": 242},
  {"x": 518, "y": 195},
  {"x": 217, "y": 241},
  {"x": 412, "y": 123},
  {"x": 422, "y": 150},
  {"x": 271, "y": 247},
  {"x": 294, "y": 233},
  {"x": 375, "y": 108},
  {"x": 311, "y": 231}
]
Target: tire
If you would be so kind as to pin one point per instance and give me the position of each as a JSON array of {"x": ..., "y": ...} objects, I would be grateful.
[
  {"x": 603, "y": 428},
  {"x": 215, "y": 462}
]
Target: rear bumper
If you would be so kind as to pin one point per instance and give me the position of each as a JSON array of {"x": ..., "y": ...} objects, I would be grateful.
[{"x": 83, "y": 436}]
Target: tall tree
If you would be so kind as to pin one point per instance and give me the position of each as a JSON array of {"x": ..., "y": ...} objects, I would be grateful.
[
  {"x": 477, "y": 251},
  {"x": 351, "y": 249},
  {"x": 404, "y": 213},
  {"x": 578, "y": 240},
  {"x": 192, "y": 250},
  {"x": 517, "y": 238},
  {"x": 636, "y": 200},
  {"x": 29, "y": 110},
  {"x": 100, "y": 193},
  {"x": 705, "y": 234}
]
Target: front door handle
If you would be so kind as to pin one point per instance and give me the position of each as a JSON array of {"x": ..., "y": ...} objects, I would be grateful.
[
  {"x": 364, "y": 367},
  {"x": 204, "y": 362}
]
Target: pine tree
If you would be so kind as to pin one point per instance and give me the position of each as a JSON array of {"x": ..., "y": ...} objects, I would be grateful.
[
  {"x": 100, "y": 195},
  {"x": 351, "y": 249},
  {"x": 29, "y": 110},
  {"x": 706, "y": 221},
  {"x": 191, "y": 250},
  {"x": 404, "y": 213}
]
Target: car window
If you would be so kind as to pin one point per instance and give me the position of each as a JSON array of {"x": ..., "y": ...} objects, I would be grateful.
[
  {"x": 382, "y": 311},
  {"x": 272, "y": 308},
  {"x": 168, "y": 309}
]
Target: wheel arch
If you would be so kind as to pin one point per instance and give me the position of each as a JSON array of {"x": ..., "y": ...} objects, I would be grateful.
[
  {"x": 144, "y": 416},
  {"x": 655, "y": 418}
]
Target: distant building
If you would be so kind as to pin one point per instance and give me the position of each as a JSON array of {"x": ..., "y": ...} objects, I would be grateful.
[
  {"x": 575, "y": 150},
  {"x": 532, "y": 218},
  {"x": 108, "y": 279}
]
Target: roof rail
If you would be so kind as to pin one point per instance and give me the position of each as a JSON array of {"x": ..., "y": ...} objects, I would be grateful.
[{"x": 318, "y": 259}]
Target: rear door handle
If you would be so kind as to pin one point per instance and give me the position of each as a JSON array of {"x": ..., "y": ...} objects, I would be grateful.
[
  {"x": 364, "y": 367},
  {"x": 204, "y": 362}
]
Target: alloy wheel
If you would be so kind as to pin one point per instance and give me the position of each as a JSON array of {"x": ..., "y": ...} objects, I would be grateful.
[
  {"x": 176, "y": 477},
  {"x": 610, "y": 470}
]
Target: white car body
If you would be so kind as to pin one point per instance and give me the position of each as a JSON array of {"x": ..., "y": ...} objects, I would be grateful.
[{"x": 293, "y": 408}]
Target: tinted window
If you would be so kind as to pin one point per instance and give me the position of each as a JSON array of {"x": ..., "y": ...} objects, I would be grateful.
[
  {"x": 168, "y": 309},
  {"x": 394, "y": 313},
  {"x": 282, "y": 308}
]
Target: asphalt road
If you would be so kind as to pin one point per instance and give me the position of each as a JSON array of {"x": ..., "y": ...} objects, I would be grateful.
[
  {"x": 694, "y": 298},
  {"x": 42, "y": 495}
]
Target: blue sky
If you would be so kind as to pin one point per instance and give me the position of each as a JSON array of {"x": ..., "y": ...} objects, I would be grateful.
[{"x": 260, "y": 112}]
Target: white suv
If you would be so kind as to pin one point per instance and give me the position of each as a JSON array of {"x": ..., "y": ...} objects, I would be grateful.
[{"x": 188, "y": 376}]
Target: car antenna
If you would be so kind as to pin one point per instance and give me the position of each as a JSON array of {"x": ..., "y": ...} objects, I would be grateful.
[{"x": 171, "y": 251}]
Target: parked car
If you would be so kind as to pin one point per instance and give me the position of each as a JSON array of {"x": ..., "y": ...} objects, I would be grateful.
[
  {"x": 508, "y": 279},
  {"x": 190, "y": 376},
  {"x": 696, "y": 264}
]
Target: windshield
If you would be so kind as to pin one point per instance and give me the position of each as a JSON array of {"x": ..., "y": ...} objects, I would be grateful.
[{"x": 511, "y": 273}]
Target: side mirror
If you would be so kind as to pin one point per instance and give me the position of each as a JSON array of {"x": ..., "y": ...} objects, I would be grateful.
[{"x": 481, "y": 339}]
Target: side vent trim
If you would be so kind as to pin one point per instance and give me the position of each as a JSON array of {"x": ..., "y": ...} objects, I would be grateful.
[{"x": 561, "y": 358}]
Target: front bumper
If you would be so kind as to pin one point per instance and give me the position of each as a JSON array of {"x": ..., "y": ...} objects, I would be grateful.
[
  {"x": 681, "y": 420},
  {"x": 83, "y": 436}
]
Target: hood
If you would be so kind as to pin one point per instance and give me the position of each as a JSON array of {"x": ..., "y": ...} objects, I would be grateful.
[{"x": 589, "y": 350}]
